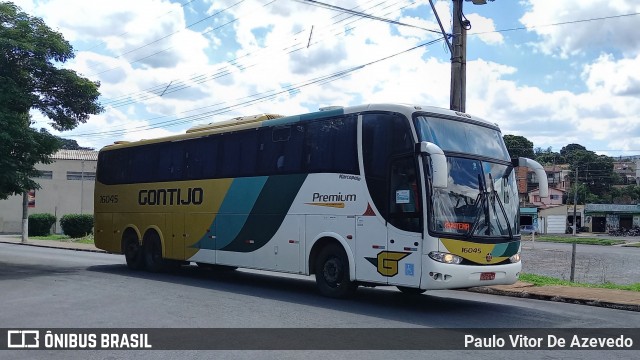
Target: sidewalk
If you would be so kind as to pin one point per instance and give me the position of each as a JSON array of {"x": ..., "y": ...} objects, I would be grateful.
[{"x": 616, "y": 299}]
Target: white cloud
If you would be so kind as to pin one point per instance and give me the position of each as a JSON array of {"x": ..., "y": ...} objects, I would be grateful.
[
  {"x": 485, "y": 28},
  {"x": 577, "y": 38},
  {"x": 223, "y": 73},
  {"x": 614, "y": 77}
]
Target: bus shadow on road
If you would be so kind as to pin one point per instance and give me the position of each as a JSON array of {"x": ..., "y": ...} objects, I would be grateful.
[
  {"x": 434, "y": 308},
  {"x": 14, "y": 271}
]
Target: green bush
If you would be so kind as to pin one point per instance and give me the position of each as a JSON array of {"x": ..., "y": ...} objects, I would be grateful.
[
  {"x": 77, "y": 225},
  {"x": 40, "y": 224}
]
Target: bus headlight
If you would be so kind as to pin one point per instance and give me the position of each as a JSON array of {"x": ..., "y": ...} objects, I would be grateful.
[
  {"x": 515, "y": 258},
  {"x": 446, "y": 258}
]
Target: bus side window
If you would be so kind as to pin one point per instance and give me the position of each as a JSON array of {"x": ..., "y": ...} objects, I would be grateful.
[
  {"x": 383, "y": 136},
  {"x": 330, "y": 145},
  {"x": 169, "y": 164}
]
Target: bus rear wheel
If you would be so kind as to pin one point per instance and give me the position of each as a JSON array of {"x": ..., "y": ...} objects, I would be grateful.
[
  {"x": 133, "y": 254},
  {"x": 153, "y": 254},
  {"x": 332, "y": 273},
  {"x": 410, "y": 290}
]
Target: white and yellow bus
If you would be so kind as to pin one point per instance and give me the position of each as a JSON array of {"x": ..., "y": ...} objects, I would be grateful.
[{"x": 382, "y": 194}]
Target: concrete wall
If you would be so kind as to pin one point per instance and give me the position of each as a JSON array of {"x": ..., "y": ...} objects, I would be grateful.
[{"x": 57, "y": 195}]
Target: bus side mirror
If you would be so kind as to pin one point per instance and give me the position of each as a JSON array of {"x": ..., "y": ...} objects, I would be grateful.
[
  {"x": 543, "y": 183},
  {"x": 439, "y": 169}
]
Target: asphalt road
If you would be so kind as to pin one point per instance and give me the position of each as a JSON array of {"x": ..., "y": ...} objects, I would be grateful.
[{"x": 53, "y": 288}]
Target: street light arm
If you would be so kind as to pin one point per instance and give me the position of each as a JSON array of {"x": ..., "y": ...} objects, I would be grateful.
[{"x": 444, "y": 33}]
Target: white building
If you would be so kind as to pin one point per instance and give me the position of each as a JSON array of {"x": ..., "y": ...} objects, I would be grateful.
[{"x": 66, "y": 188}]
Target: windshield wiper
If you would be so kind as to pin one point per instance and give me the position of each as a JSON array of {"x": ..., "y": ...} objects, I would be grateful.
[
  {"x": 481, "y": 202},
  {"x": 484, "y": 198},
  {"x": 494, "y": 197}
]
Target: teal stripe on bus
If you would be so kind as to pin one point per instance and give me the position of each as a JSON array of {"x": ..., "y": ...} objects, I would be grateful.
[
  {"x": 506, "y": 249},
  {"x": 304, "y": 117},
  {"x": 269, "y": 212},
  {"x": 233, "y": 213}
]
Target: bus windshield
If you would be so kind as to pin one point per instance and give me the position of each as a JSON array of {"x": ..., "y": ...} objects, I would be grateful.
[
  {"x": 481, "y": 198},
  {"x": 462, "y": 137}
]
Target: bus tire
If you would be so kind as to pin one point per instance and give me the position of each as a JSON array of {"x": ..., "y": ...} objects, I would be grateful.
[
  {"x": 410, "y": 290},
  {"x": 133, "y": 254},
  {"x": 153, "y": 254},
  {"x": 332, "y": 273}
]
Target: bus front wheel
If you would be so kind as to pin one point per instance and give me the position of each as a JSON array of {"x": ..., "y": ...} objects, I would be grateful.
[
  {"x": 133, "y": 254},
  {"x": 153, "y": 254},
  {"x": 332, "y": 273}
]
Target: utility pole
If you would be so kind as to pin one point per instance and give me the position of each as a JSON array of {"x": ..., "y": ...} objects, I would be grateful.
[
  {"x": 82, "y": 187},
  {"x": 458, "y": 60},
  {"x": 25, "y": 216},
  {"x": 573, "y": 245}
]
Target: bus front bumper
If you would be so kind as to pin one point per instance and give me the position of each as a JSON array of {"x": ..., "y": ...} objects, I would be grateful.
[{"x": 439, "y": 276}]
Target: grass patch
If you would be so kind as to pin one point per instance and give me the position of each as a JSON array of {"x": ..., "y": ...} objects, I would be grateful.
[
  {"x": 633, "y": 245},
  {"x": 55, "y": 237},
  {"x": 577, "y": 240},
  {"x": 541, "y": 280}
]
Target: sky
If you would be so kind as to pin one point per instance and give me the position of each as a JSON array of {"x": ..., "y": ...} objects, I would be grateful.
[{"x": 555, "y": 72}]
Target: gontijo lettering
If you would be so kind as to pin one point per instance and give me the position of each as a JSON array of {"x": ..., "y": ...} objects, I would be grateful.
[{"x": 171, "y": 196}]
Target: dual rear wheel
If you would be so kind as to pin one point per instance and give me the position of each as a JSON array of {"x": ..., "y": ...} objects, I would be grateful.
[{"x": 147, "y": 256}]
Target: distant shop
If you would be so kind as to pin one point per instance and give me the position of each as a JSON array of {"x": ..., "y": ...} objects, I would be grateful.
[
  {"x": 605, "y": 217},
  {"x": 559, "y": 219},
  {"x": 529, "y": 216}
]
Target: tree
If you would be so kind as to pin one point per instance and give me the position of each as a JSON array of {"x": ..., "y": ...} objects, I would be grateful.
[
  {"x": 70, "y": 144},
  {"x": 548, "y": 157},
  {"x": 594, "y": 171},
  {"x": 518, "y": 146},
  {"x": 574, "y": 153},
  {"x": 30, "y": 80},
  {"x": 627, "y": 195}
]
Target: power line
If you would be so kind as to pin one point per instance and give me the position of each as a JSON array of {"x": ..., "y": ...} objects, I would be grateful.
[
  {"x": 165, "y": 37},
  {"x": 126, "y": 32},
  {"x": 556, "y": 24},
  {"x": 180, "y": 85},
  {"x": 254, "y": 98},
  {"x": 224, "y": 70},
  {"x": 358, "y": 13}
]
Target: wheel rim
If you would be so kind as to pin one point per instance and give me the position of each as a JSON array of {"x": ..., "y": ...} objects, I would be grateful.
[{"x": 332, "y": 272}]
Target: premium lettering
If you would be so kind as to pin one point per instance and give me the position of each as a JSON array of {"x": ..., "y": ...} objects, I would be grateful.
[
  {"x": 339, "y": 197},
  {"x": 189, "y": 196}
]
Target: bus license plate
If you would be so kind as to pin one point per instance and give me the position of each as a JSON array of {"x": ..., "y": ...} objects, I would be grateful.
[{"x": 487, "y": 276}]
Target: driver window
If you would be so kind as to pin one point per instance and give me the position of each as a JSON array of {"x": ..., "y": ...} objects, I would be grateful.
[{"x": 404, "y": 205}]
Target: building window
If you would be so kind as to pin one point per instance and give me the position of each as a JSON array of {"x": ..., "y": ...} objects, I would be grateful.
[
  {"x": 554, "y": 197},
  {"x": 77, "y": 175},
  {"x": 45, "y": 174},
  {"x": 536, "y": 198}
]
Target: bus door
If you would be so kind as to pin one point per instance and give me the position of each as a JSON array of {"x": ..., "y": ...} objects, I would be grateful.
[
  {"x": 174, "y": 236},
  {"x": 404, "y": 228},
  {"x": 371, "y": 248}
]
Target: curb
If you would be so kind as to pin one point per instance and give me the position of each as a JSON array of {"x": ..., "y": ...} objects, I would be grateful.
[
  {"x": 557, "y": 298},
  {"x": 53, "y": 247}
]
